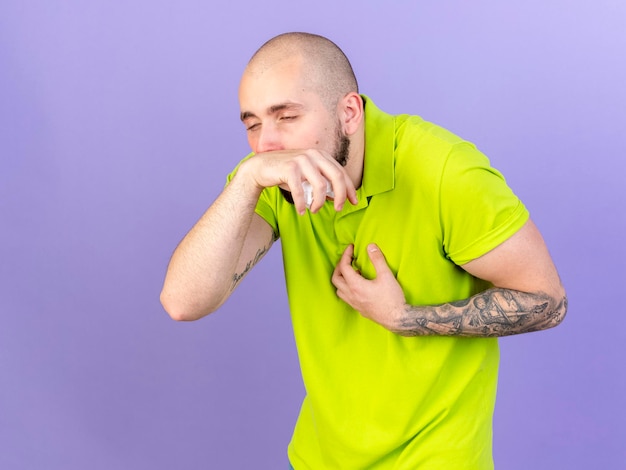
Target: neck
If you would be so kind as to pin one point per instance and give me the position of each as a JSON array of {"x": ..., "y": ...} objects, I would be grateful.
[{"x": 356, "y": 161}]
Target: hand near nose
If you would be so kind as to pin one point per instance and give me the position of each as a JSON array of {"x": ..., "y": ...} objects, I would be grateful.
[
  {"x": 380, "y": 299},
  {"x": 290, "y": 168}
]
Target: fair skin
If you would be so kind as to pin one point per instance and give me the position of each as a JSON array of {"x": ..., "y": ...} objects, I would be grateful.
[
  {"x": 527, "y": 294},
  {"x": 293, "y": 135}
]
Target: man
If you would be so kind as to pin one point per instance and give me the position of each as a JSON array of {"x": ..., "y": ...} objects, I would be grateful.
[{"x": 397, "y": 282}]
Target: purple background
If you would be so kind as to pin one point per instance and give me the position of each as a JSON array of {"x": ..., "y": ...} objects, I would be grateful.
[{"x": 118, "y": 124}]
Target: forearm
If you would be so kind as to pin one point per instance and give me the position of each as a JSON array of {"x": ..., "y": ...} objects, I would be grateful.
[
  {"x": 495, "y": 312},
  {"x": 207, "y": 264}
]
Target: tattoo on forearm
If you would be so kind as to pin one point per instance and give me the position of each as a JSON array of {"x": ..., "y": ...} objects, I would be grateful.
[
  {"x": 495, "y": 312},
  {"x": 250, "y": 264}
]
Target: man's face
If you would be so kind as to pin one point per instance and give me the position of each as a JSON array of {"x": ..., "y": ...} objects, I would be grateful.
[{"x": 281, "y": 110}]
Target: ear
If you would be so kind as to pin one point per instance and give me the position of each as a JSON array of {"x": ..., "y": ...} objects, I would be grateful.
[{"x": 351, "y": 112}]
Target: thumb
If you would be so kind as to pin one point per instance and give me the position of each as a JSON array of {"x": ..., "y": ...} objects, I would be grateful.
[{"x": 377, "y": 258}]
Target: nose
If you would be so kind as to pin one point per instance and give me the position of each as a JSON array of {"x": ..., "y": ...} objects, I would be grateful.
[{"x": 267, "y": 139}]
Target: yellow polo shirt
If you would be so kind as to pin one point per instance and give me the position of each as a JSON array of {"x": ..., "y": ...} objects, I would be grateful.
[{"x": 376, "y": 400}]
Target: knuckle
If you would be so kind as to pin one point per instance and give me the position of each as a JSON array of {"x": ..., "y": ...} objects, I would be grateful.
[
  {"x": 301, "y": 158},
  {"x": 321, "y": 186},
  {"x": 291, "y": 165}
]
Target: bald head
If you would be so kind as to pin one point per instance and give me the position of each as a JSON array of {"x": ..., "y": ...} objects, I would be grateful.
[{"x": 324, "y": 65}]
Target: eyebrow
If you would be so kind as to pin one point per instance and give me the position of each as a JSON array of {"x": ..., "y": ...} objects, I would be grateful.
[{"x": 271, "y": 110}]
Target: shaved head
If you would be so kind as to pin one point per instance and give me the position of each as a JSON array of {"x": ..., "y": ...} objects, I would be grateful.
[{"x": 324, "y": 65}]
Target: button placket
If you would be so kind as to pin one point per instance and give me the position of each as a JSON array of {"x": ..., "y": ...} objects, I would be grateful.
[{"x": 347, "y": 222}]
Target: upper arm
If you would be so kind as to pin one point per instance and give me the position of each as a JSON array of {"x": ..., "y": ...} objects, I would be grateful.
[{"x": 521, "y": 263}]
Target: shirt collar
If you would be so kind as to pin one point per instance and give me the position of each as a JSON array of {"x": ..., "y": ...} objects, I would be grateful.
[{"x": 378, "y": 169}]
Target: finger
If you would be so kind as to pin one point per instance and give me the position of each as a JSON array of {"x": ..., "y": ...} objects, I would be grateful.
[
  {"x": 343, "y": 189},
  {"x": 316, "y": 168},
  {"x": 337, "y": 279},
  {"x": 341, "y": 184},
  {"x": 342, "y": 289},
  {"x": 344, "y": 262},
  {"x": 343, "y": 295},
  {"x": 378, "y": 259},
  {"x": 346, "y": 258},
  {"x": 301, "y": 169},
  {"x": 351, "y": 191},
  {"x": 338, "y": 181},
  {"x": 350, "y": 275},
  {"x": 320, "y": 188},
  {"x": 335, "y": 184}
]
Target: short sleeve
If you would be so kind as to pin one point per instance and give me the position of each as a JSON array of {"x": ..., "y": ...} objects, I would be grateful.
[{"x": 478, "y": 209}]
